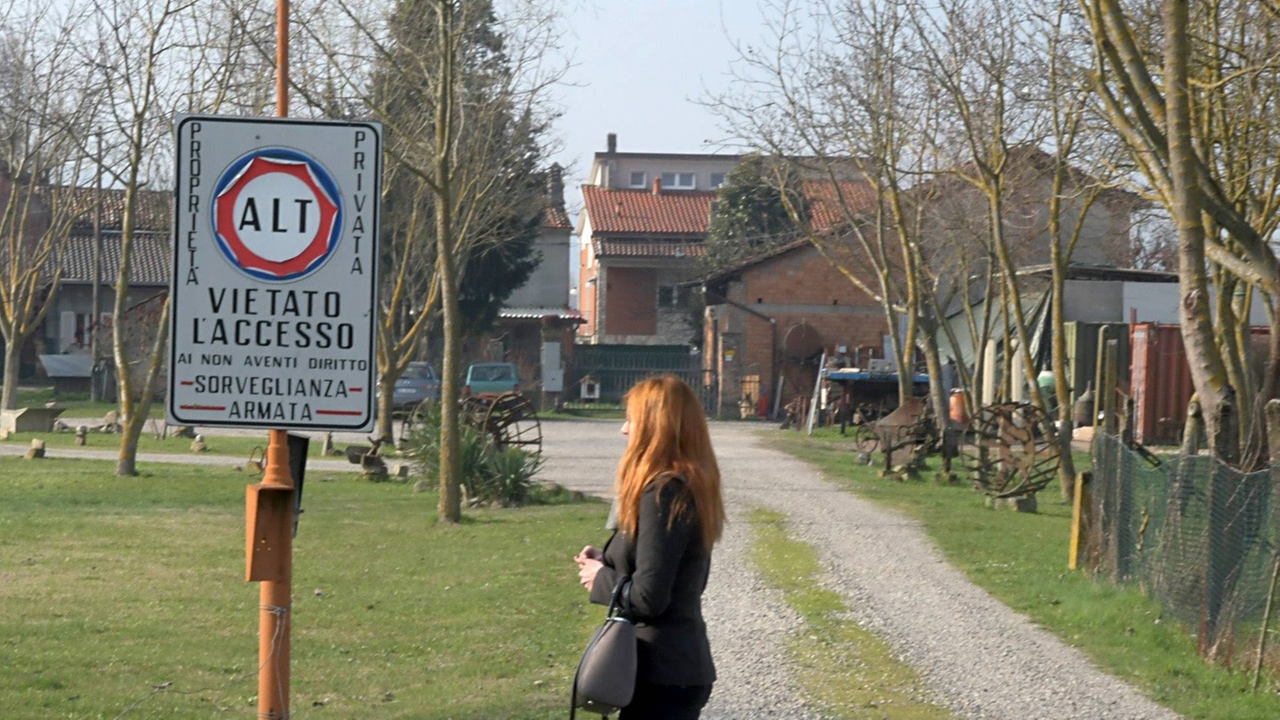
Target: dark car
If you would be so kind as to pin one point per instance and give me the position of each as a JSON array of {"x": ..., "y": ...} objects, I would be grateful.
[{"x": 417, "y": 384}]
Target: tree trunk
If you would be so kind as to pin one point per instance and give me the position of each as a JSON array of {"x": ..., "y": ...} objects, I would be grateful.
[
  {"x": 1208, "y": 372},
  {"x": 127, "y": 460},
  {"x": 384, "y": 429},
  {"x": 12, "y": 361},
  {"x": 933, "y": 361},
  {"x": 140, "y": 409},
  {"x": 1066, "y": 463},
  {"x": 449, "y": 507}
]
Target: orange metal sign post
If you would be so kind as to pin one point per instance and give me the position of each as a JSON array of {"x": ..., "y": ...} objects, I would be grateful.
[{"x": 269, "y": 508}]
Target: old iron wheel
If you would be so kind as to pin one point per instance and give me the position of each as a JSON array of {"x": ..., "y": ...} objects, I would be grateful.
[{"x": 1009, "y": 450}]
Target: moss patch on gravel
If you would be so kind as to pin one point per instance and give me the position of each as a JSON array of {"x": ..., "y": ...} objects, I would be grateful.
[{"x": 846, "y": 670}]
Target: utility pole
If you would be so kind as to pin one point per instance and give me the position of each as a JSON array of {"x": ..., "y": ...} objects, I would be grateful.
[{"x": 95, "y": 313}]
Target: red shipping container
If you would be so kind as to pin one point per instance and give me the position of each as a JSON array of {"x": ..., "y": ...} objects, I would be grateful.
[{"x": 1160, "y": 379}]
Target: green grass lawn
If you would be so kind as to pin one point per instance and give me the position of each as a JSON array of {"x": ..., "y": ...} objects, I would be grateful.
[
  {"x": 1022, "y": 560},
  {"x": 110, "y": 586}
]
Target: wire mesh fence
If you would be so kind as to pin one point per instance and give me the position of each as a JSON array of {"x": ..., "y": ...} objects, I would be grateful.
[{"x": 1198, "y": 536}]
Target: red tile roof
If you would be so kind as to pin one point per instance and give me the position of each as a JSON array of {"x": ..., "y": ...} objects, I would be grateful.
[
  {"x": 554, "y": 217},
  {"x": 641, "y": 212},
  {"x": 827, "y": 200}
]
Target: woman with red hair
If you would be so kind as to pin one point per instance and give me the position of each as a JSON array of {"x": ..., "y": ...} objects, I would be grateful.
[{"x": 669, "y": 515}]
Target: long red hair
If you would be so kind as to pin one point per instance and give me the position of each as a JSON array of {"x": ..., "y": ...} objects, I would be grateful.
[{"x": 667, "y": 438}]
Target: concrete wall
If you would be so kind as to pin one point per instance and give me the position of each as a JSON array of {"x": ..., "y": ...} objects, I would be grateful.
[
  {"x": 1093, "y": 301},
  {"x": 78, "y": 299},
  {"x": 615, "y": 171},
  {"x": 549, "y": 284}
]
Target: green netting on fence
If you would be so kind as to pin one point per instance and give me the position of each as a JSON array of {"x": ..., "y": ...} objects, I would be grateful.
[{"x": 1193, "y": 533}]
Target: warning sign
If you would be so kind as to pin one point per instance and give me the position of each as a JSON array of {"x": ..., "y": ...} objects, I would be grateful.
[{"x": 275, "y": 273}]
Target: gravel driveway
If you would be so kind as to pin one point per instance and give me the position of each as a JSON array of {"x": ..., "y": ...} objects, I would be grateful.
[{"x": 977, "y": 656}]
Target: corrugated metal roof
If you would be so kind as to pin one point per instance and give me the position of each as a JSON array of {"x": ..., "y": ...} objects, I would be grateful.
[
  {"x": 154, "y": 210},
  {"x": 150, "y": 263},
  {"x": 649, "y": 248},
  {"x": 535, "y": 313}
]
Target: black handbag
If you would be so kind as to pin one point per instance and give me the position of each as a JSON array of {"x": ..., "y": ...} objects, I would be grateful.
[{"x": 606, "y": 676}]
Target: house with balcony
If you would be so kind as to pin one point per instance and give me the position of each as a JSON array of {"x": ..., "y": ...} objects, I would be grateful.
[{"x": 642, "y": 228}]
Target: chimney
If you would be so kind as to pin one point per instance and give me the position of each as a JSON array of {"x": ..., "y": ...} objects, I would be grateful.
[
  {"x": 612, "y": 143},
  {"x": 555, "y": 185},
  {"x": 657, "y": 185}
]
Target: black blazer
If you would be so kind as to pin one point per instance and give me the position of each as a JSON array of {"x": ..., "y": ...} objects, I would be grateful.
[{"x": 668, "y": 565}]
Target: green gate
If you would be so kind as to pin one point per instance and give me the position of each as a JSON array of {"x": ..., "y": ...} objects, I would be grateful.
[{"x": 599, "y": 375}]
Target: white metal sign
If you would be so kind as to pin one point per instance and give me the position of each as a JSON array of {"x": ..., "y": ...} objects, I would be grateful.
[{"x": 275, "y": 273}]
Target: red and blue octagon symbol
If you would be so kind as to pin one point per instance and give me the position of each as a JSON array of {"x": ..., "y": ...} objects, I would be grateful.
[{"x": 277, "y": 214}]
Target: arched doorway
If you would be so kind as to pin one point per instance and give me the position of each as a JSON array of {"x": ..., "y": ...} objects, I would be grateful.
[{"x": 801, "y": 351}]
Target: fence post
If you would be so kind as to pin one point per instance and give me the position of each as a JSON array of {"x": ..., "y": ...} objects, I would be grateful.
[
  {"x": 1111, "y": 376},
  {"x": 1225, "y": 537},
  {"x": 1100, "y": 373},
  {"x": 1081, "y": 517},
  {"x": 1105, "y": 489},
  {"x": 1273, "y": 443},
  {"x": 1120, "y": 545}
]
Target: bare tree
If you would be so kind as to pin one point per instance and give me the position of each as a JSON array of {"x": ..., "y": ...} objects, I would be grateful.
[
  {"x": 42, "y": 104},
  {"x": 1190, "y": 88},
  {"x": 462, "y": 93},
  {"x": 154, "y": 58},
  {"x": 835, "y": 92}
]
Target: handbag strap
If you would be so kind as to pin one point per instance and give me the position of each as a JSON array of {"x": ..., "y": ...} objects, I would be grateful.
[{"x": 620, "y": 601}]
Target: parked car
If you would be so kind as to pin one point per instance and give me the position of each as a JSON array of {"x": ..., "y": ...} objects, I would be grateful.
[
  {"x": 491, "y": 378},
  {"x": 417, "y": 384}
]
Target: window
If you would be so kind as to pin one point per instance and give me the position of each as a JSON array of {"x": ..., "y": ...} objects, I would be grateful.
[
  {"x": 638, "y": 178},
  {"x": 717, "y": 179},
  {"x": 678, "y": 181},
  {"x": 668, "y": 295}
]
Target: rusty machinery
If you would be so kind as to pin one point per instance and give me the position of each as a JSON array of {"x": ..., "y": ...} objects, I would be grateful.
[
  {"x": 508, "y": 419},
  {"x": 1009, "y": 450}
]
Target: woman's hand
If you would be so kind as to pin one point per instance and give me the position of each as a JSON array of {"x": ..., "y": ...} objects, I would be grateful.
[
  {"x": 587, "y": 569},
  {"x": 589, "y": 563}
]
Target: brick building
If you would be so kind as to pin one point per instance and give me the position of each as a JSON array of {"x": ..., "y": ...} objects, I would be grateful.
[{"x": 769, "y": 319}]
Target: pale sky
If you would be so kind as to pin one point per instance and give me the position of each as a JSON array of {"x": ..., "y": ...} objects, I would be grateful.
[{"x": 641, "y": 66}]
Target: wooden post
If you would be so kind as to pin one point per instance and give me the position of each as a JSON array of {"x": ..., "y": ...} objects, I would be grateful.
[
  {"x": 1122, "y": 499},
  {"x": 1111, "y": 423},
  {"x": 1081, "y": 516},
  {"x": 1099, "y": 373}
]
